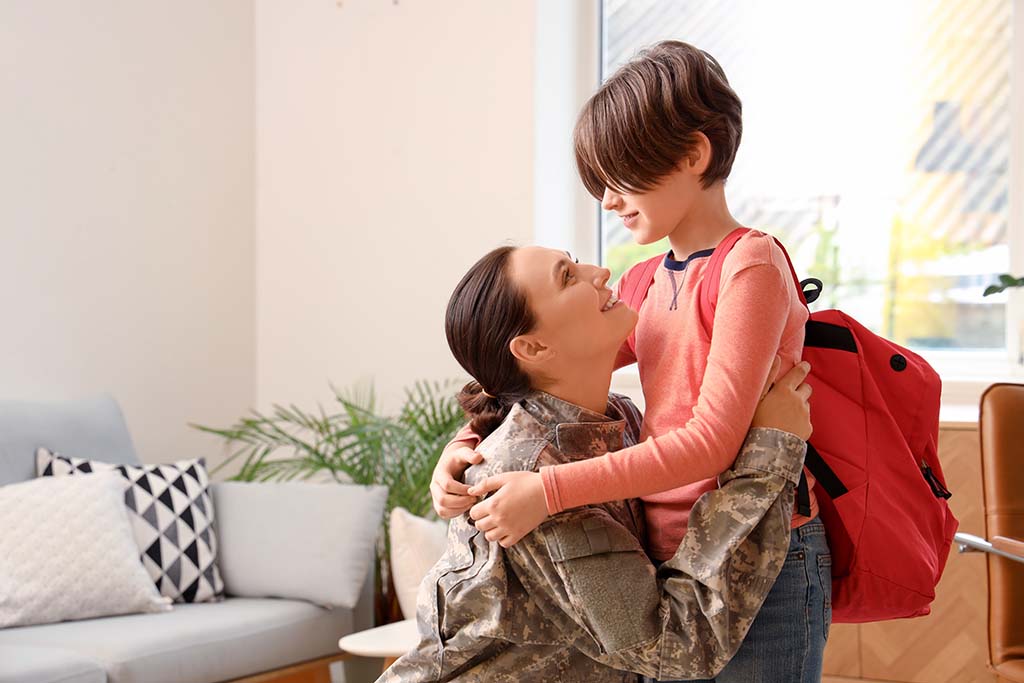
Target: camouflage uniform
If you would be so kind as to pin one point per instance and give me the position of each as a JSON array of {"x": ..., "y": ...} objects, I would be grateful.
[{"x": 578, "y": 599}]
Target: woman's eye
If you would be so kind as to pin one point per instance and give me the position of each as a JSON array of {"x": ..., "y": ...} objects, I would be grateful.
[{"x": 568, "y": 276}]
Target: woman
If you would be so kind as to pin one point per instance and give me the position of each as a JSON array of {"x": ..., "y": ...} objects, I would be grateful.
[{"x": 578, "y": 599}]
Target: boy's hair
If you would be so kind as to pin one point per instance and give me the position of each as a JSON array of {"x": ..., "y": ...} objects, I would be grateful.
[{"x": 642, "y": 121}]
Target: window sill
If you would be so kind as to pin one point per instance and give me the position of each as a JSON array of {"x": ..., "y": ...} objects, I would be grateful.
[{"x": 960, "y": 394}]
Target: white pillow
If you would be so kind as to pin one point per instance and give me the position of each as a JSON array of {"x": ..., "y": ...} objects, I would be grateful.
[
  {"x": 67, "y": 552},
  {"x": 312, "y": 542},
  {"x": 416, "y": 546}
]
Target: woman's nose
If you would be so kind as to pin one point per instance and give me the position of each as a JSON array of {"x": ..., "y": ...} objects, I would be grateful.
[
  {"x": 601, "y": 277},
  {"x": 610, "y": 200}
]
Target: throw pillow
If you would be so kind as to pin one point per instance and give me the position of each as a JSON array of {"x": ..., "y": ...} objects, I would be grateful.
[
  {"x": 172, "y": 518},
  {"x": 67, "y": 552},
  {"x": 416, "y": 545}
]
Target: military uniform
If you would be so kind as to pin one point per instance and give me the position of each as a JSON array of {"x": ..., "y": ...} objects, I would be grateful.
[{"x": 578, "y": 600}]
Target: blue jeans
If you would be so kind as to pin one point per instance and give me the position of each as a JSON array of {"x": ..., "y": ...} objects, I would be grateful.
[{"x": 786, "y": 642}]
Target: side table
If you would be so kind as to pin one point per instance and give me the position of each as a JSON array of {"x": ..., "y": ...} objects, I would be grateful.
[{"x": 390, "y": 641}]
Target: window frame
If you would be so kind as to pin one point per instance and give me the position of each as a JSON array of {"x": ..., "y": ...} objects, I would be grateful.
[{"x": 567, "y": 69}]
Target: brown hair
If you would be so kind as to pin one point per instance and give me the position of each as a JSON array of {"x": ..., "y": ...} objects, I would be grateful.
[
  {"x": 642, "y": 121},
  {"x": 485, "y": 313}
]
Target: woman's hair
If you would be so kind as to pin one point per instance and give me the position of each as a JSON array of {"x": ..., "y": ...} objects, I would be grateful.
[
  {"x": 486, "y": 312},
  {"x": 643, "y": 121}
]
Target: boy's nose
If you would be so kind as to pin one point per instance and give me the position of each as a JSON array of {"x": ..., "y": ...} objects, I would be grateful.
[{"x": 610, "y": 200}]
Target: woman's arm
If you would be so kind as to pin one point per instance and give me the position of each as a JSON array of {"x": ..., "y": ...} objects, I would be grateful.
[{"x": 577, "y": 565}]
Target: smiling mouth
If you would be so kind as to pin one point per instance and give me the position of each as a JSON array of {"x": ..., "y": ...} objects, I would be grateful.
[
  {"x": 610, "y": 304},
  {"x": 628, "y": 218}
]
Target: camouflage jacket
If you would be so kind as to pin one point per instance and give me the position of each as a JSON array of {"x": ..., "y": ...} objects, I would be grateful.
[{"x": 578, "y": 599}]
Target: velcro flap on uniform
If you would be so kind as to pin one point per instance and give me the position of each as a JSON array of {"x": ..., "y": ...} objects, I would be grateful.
[{"x": 572, "y": 536}]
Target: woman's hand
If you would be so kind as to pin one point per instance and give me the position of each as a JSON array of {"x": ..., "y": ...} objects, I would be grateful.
[
  {"x": 516, "y": 508},
  {"x": 449, "y": 494},
  {"x": 785, "y": 406}
]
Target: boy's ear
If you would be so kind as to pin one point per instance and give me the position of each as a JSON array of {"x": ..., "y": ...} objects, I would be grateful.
[
  {"x": 698, "y": 158},
  {"x": 529, "y": 349}
]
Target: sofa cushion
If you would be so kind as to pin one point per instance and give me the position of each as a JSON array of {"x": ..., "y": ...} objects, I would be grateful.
[
  {"x": 89, "y": 428},
  {"x": 196, "y": 643},
  {"x": 298, "y": 540},
  {"x": 31, "y": 664}
]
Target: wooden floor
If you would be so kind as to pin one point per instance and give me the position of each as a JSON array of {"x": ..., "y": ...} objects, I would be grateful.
[{"x": 950, "y": 645}]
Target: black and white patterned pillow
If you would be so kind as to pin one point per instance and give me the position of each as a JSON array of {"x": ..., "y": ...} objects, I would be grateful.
[{"x": 172, "y": 519}]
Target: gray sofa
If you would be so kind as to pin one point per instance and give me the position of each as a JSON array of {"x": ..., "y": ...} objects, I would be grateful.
[{"x": 200, "y": 643}]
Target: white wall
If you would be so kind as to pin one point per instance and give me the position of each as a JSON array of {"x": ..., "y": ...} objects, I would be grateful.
[
  {"x": 167, "y": 166},
  {"x": 126, "y": 210},
  {"x": 394, "y": 148}
]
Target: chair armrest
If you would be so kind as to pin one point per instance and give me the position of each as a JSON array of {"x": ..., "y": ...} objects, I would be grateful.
[
  {"x": 1004, "y": 547},
  {"x": 1011, "y": 546},
  {"x": 297, "y": 540}
]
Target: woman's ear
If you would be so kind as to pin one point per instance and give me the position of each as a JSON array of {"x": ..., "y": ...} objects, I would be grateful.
[{"x": 529, "y": 349}]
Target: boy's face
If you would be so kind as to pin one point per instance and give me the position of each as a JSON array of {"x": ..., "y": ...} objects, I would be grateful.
[{"x": 656, "y": 213}]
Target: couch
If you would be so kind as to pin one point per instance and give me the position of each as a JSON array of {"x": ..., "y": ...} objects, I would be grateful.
[{"x": 251, "y": 638}]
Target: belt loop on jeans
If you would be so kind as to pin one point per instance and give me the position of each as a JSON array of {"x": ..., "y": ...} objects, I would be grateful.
[{"x": 813, "y": 528}]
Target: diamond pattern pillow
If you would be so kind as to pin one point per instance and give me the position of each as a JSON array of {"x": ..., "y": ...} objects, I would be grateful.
[{"x": 172, "y": 520}]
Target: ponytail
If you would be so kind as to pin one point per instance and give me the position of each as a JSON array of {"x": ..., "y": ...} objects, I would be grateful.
[{"x": 485, "y": 313}]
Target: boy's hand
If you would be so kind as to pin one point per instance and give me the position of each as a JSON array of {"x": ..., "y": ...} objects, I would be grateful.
[
  {"x": 447, "y": 491},
  {"x": 786, "y": 406},
  {"x": 516, "y": 508}
]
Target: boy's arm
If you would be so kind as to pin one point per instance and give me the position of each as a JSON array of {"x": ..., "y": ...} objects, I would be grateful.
[
  {"x": 464, "y": 437},
  {"x": 447, "y": 492},
  {"x": 689, "y": 619},
  {"x": 752, "y": 311}
]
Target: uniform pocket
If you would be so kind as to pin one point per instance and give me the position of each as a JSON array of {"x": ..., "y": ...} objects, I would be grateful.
[
  {"x": 609, "y": 582},
  {"x": 825, "y": 579}
]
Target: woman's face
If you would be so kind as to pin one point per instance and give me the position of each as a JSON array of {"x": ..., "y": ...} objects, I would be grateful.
[{"x": 577, "y": 316}]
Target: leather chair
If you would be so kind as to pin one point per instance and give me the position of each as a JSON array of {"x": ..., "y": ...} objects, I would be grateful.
[{"x": 1002, "y": 468}]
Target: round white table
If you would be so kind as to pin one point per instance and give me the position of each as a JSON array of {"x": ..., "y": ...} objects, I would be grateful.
[{"x": 390, "y": 641}]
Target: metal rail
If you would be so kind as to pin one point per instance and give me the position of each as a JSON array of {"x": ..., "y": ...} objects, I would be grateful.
[{"x": 968, "y": 543}]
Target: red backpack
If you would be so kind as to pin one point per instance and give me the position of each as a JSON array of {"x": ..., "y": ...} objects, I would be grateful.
[{"x": 879, "y": 484}]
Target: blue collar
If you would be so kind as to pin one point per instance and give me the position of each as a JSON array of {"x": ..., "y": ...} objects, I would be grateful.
[{"x": 672, "y": 264}]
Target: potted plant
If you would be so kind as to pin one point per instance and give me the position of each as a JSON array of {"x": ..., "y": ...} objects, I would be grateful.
[{"x": 353, "y": 442}]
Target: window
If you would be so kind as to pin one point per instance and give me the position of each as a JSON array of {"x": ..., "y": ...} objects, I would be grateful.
[{"x": 877, "y": 146}]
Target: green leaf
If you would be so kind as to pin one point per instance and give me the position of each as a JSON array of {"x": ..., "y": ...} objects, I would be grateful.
[{"x": 1006, "y": 281}]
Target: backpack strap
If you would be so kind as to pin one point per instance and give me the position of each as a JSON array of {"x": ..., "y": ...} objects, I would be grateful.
[
  {"x": 823, "y": 474},
  {"x": 803, "y": 496},
  {"x": 633, "y": 289},
  {"x": 713, "y": 277}
]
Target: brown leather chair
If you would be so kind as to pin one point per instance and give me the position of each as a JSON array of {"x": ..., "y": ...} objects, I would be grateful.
[{"x": 1002, "y": 468}]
